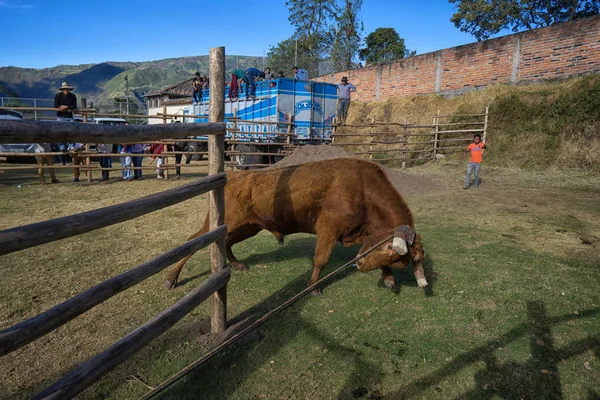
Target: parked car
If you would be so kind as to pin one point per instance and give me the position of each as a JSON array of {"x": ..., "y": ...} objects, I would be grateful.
[{"x": 15, "y": 147}]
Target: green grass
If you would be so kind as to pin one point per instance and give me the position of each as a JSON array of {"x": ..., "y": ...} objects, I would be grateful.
[{"x": 512, "y": 310}]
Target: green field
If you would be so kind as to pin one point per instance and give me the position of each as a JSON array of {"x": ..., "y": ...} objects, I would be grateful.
[{"x": 512, "y": 310}]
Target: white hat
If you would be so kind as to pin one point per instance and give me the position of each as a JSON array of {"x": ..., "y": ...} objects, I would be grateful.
[{"x": 65, "y": 85}]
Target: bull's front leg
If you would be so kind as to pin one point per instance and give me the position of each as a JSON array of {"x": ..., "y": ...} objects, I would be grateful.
[
  {"x": 388, "y": 278},
  {"x": 325, "y": 244}
]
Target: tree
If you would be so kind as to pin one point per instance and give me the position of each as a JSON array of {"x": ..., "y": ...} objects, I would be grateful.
[
  {"x": 314, "y": 32},
  {"x": 349, "y": 35},
  {"x": 383, "y": 45},
  {"x": 483, "y": 18},
  {"x": 282, "y": 57}
]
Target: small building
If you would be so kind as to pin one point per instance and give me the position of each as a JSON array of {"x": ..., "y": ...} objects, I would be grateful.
[{"x": 173, "y": 99}]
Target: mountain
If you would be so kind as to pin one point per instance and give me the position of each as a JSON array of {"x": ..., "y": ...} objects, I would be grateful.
[{"x": 102, "y": 83}]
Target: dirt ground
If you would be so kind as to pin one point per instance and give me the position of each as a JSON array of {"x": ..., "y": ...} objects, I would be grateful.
[{"x": 406, "y": 184}]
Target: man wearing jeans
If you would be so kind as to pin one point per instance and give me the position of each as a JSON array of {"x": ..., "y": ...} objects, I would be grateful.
[
  {"x": 344, "y": 90},
  {"x": 476, "y": 149},
  {"x": 249, "y": 76}
]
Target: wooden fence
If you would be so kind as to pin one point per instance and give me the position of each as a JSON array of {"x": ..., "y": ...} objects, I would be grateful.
[
  {"x": 404, "y": 142},
  {"x": 27, "y": 236}
]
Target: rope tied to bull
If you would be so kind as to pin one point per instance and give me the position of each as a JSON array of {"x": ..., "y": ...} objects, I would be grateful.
[{"x": 174, "y": 378}]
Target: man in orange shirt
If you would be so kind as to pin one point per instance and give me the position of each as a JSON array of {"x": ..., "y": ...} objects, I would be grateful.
[{"x": 476, "y": 149}]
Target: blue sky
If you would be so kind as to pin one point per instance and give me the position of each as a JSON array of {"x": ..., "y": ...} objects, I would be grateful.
[{"x": 42, "y": 33}]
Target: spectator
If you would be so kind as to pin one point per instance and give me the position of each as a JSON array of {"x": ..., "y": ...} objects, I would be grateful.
[
  {"x": 204, "y": 87},
  {"x": 105, "y": 162},
  {"x": 75, "y": 148},
  {"x": 250, "y": 75},
  {"x": 197, "y": 88},
  {"x": 300, "y": 74},
  {"x": 137, "y": 161},
  {"x": 236, "y": 76},
  {"x": 280, "y": 75},
  {"x": 180, "y": 147},
  {"x": 268, "y": 74},
  {"x": 157, "y": 149},
  {"x": 344, "y": 90},
  {"x": 476, "y": 149},
  {"x": 65, "y": 102},
  {"x": 126, "y": 174}
]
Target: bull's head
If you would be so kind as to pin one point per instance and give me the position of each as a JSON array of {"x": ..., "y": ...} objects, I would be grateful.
[{"x": 397, "y": 252}]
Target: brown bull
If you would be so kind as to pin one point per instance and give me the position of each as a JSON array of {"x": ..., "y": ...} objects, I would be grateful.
[{"x": 346, "y": 200}]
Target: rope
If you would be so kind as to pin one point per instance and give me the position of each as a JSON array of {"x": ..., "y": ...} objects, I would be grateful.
[{"x": 174, "y": 378}]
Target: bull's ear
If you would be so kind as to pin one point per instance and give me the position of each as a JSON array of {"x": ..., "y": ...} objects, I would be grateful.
[{"x": 389, "y": 249}]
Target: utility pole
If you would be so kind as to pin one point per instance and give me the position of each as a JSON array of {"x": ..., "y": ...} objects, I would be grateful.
[{"x": 127, "y": 92}]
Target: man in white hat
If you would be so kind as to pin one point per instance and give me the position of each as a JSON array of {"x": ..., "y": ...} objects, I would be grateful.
[{"x": 64, "y": 102}]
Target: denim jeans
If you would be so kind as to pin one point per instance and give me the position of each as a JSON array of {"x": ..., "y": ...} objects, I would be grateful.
[
  {"x": 473, "y": 166},
  {"x": 342, "y": 109},
  {"x": 105, "y": 162},
  {"x": 126, "y": 162},
  {"x": 250, "y": 86},
  {"x": 137, "y": 162},
  {"x": 196, "y": 96},
  {"x": 62, "y": 159}
]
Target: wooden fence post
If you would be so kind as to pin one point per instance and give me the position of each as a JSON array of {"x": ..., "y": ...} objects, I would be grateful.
[
  {"x": 216, "y": 205},
  {"x": 436, "y": 121},
  {"x": 88, "y": 159},
  {"x": 485, "y": 124}
]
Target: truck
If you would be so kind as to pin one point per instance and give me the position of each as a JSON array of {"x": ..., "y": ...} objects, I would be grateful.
[{"x": 284, "y": 112}]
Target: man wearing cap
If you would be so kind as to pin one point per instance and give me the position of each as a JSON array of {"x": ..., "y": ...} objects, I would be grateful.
[
  {"x": 344, "y": 90},
  {"x": 65, "y": 102}
]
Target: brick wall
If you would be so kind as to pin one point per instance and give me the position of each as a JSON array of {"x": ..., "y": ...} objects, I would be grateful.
[{"x": 562, "y": 50}]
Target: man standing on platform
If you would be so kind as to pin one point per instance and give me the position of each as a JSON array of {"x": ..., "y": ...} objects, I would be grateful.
[
  {"x": 344, "y": 90},
  {"x": 250, "y": 75},
  {"x": 300, "y": 74}
]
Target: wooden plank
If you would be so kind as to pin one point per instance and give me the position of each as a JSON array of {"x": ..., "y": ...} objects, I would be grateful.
[
  {"x": 69, "y": 132},
  {"x": 461, "y": 131},
  {"x": 458, "y": 123},
  {"x": 26, "y": 236},
  {"x": 456, "y": 140},
  {"x": 216, "y": 198},
  {"x": 451, "y": 148},
  {"x": 31, "y": 329},
  {"x": 96, "y": 367},
  {"x": 461, "y": 115}
]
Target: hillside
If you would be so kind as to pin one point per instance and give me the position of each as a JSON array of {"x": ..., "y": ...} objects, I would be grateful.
[
  {"x": 553, "y": 124},
  {"x": 101, "y": 83}
]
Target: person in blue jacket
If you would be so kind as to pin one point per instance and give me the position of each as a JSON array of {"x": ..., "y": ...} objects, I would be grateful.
[{"x": 249, "y": 75}]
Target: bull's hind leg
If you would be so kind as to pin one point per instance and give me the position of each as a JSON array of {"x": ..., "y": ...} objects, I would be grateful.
[
  {"x": 239, "y": 235},
  {"x": 173, "y": 274}
]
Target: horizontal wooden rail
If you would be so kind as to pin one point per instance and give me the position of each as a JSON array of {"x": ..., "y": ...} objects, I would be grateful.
[
  {"x": 93, "y": 369},
  {"x": 31, "y": 329},
  {"x": 461, "y": 123},
  {"x": 26, "y": 236},
  {"x": 455, "y": 140},
  {"x": 350, "y": 144},
  {"x": 460, "y": 115},
  {"x": 461, "y": 131},
  {"x": 245, "y": 121},
  {"x": 69, "y": 132},
  {"x": 451, "y": 148},
  {"x": 390, "y": 124}
]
